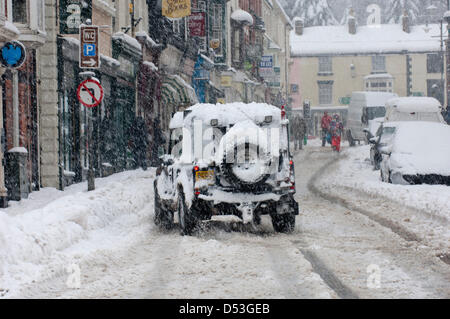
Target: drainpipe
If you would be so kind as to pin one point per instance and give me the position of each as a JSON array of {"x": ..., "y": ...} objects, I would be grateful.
[
  {"x": 16, "y": 128},
  {"x": 3, "y": 190}
]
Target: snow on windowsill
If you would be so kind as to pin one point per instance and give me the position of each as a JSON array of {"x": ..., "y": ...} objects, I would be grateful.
[{"x": 22, "y": 150}]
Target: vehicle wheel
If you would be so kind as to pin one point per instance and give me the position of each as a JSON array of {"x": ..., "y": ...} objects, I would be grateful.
[
  {"x": 187, "y": 221},
  {"x": 163, "y": 218},
  {"x": 350, "y": 139},
  {"x": 284, "y": 223},
  {"x": 376, "y": 165},
  {"x": 386, "y": 180}
]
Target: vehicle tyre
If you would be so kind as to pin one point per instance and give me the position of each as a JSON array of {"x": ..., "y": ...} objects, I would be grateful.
[
  {"x": 386, "y": 180},
  {"x": 234, "y": 178},
  {"x": 163, "y": 218},
  {"x": 284, "y": 223},
  {"x": 188, "y": 222},
  {"x": 350, "y": 139},
  {"x": 377, "y": 164}
]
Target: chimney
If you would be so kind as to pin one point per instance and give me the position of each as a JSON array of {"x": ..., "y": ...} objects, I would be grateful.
[
  {"x": 299, "y": 26},
  {"x": 405, "y": 22},
  {"x": 351, "y": 22}
]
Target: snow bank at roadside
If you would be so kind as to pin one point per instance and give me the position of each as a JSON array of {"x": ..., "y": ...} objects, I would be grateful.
[
  {"x": 41, "y": 230},
  {"x": 356, "y": 172}
]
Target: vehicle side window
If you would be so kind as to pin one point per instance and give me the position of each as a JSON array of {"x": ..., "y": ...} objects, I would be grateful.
[{"x": 176, "y": 142}]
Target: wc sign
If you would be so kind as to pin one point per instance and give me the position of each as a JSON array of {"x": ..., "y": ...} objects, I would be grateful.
[{"x": 89, "y": 52}]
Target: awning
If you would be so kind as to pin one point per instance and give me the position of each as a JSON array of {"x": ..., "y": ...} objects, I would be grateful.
[{"x": 176, "y": 91}]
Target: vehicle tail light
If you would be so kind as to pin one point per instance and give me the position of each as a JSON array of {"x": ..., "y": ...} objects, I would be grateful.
[{"x": 283, "y": 113}]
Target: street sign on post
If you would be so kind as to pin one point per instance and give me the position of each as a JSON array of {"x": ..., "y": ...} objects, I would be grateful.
[
  {"x": 89, "y": 51},
  {"x": 13, "y": 54},
  {"x": 90, "y": 93}
]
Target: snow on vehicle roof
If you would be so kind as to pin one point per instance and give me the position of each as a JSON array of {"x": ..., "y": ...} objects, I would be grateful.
[
  {"x": 384, "y": 38},
  {"x": 422, "y": 148},
  {"x": 226, "y": 114},
  {"x": 374, "y": 99},
  {"x": 415, "y": 104}
]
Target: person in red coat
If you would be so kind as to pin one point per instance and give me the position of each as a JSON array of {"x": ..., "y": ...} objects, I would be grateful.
[
  {"x": 325, "y": 124},
  {"x": 336, "y": 129}
]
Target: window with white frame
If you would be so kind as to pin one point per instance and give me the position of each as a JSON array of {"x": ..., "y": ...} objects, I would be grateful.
[
  {"x": 217, "y": 32},
  {"x": 378, "y": 64},
  {"x": 325, "y": 65},
  {"x": 179, "y": 27},
  {"x": 325, "y": 92},
  {"x": 19, "y": 11}
]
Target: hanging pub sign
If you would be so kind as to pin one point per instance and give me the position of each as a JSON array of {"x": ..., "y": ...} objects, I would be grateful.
[
  {"x": 176, "y": 8},
  {"x": 73, "y": 13},
  {"x": 196, "y": 23},
  {"x": 13, "y": 54}
]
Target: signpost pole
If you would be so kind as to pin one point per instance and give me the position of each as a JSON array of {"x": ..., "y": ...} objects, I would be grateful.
[
  {"x": 91, "y": 174},
  {"x": 90, "y": 127}
]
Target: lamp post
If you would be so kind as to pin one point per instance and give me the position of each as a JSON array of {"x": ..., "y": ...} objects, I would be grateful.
[{"x": 447, "y": 58}]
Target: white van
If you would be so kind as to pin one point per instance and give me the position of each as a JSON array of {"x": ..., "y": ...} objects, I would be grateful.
[
  {"x": 365, "y": 107},
  {"x": 407, "y": 109}
]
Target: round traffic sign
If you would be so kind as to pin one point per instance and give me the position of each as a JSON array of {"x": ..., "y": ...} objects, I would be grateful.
[
  {"x": 90, "y": 93},
  {"x": 13, "y": 54}
]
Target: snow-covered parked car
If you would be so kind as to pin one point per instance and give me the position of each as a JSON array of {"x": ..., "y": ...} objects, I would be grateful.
[
  {"x": 426, "y": 109},
  {"x": 418, "y": 154},
  {"x": 382, "y": 139},
  {"x": 227, "y": 160}
]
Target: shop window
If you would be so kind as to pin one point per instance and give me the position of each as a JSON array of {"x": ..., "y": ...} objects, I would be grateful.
[
  {"x": 19, "y": 10},
  {"x": 217, "y": 31},
  {"x": 66, "y": 132},
  {"x": 236, "y": 45}
]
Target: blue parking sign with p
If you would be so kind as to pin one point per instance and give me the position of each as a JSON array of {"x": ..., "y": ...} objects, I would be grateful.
[{"x": 89, "y": 49}]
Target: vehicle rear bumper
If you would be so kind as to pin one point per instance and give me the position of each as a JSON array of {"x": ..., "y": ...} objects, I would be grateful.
[{"x": 431, "y": 179}]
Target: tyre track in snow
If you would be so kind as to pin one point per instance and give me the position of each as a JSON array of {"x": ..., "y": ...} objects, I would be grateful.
[
  {"x": 342, "y": 245},
  {"x": 394, "y": 227}
]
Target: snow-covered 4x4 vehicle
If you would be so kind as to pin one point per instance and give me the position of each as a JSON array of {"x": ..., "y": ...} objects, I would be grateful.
[{"x": 227, "y": 160}]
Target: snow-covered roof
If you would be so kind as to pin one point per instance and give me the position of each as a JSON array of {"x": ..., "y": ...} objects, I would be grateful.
[
  {"x": 147, "y": 39},
  {"x": 378, "y": 76},
  {"x": 283, "y": 12},
  {"x": 374, "y": 99},
  {"x": 415, "y": 104},
  {"x": 242, "y": 16},
  {"x": 227, "y": 114},
  {"x": 383, "y": 39},
  {"x": 151, "y": 65},
  {"x": 127, "y": 39}
]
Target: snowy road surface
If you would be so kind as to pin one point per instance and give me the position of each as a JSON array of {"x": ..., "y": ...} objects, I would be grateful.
[{"x": 338, "y": 249}]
